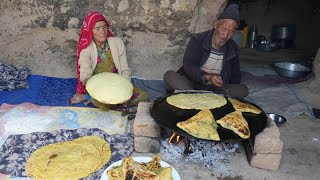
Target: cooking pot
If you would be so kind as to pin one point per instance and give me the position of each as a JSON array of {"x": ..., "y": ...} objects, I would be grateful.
[{"x": 283, "y": 32}]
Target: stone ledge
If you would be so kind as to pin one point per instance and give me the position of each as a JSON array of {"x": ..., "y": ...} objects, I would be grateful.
[
  {"x": 266, "y": 161},
  {"x": 146, "y": 144},
  {"x": 144, "y": 124},
  {"x": 268, "y": 141},
  {"x": 264, "y": 150}
]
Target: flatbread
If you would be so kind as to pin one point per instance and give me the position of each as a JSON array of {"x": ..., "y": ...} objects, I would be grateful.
[
  {"x": 109, "y": 88},
  {"x": 237, "y": 123},
  {"x": 244, "y": 107},
  {"x": 202, "y": 125},
  {"x": 166, "y": 174},
  {"x": 197, "y": 101},
  {"x": 133, "y": 170},
  {"x": 69, "y": 160},
  {"x": 153, "y": 165}
]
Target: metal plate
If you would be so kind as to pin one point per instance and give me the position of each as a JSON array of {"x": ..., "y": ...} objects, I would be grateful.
[{"x": 168, "y": 116}]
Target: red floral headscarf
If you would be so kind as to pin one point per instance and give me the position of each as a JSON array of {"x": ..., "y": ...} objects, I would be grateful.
[{"x": 84, "y": 40}]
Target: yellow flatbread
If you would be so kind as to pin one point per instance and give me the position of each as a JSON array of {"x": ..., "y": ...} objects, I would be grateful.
[
  {"x": 166, "y": 174},
  {"x": 235, "y": 122},
  {"x": 244, "y": 107},
  {"x": 197, "y": 101},
  {"x": 109, "y": 88},
  {"x": 133, "y": 170},
  {"x": 69, "y": 160},
  {"x": 202, "y": 125}
]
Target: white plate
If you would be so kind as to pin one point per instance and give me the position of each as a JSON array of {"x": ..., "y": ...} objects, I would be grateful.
[{"x": 175, "y": 174}]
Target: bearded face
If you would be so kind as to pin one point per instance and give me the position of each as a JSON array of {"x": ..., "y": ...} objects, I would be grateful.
[{"x": 224, "y": 30}]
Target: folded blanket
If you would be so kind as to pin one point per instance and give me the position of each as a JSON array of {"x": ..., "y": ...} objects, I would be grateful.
[{"x": 11, "y": 78}]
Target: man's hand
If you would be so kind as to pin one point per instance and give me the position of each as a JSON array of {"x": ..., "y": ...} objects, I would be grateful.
[{"x": 215, "y": 79}]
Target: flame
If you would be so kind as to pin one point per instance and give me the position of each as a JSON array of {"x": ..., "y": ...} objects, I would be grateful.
[
  {"x": 172, "y": 136},
  {"x": 175, "y": 138}
]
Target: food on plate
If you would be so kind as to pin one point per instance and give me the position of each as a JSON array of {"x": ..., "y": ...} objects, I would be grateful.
[
  {"x": 202, "y": 125},
  {"x": 109, "y": 88},
  {"x": 69, "y": 160},
  {"x": 129, "y": 169},
  {"x": 237, "y": 123},
  {"x": 197, "y": 101},
  {"x": 244, "y": 107}
]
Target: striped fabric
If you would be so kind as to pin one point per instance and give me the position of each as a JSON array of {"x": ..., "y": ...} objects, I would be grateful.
[{"x": 214, "y": 63}]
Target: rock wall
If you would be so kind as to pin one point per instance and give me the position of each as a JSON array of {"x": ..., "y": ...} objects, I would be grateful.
[{"x": 43, "y": 34}]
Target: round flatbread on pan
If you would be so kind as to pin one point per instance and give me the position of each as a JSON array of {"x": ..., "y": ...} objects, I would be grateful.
[{"x": 197, "y": 101}]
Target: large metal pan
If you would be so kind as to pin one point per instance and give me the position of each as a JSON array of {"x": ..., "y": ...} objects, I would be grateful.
[{"x": 168, "y": 116}]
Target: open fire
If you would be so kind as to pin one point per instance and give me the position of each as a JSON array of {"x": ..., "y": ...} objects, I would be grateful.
[
  {"x": 175, "y": 139},
  {"x": 213, "y": 155}
]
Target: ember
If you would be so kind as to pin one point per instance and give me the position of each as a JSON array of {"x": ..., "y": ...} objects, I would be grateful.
[
  {"x": 213, "y": 155},
  {"x": 176, "y": 139}
]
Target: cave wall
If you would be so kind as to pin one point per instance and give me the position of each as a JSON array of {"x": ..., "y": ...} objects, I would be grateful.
[{"x": 43, "y": 34}]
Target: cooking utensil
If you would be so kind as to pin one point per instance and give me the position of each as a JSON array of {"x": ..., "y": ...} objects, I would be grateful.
[
  {"x": 253, "y": 33},
  {"x": 278, "y": 119},
  {"x": 167, "y": 116},
  {"x": 268, "y": 46},
  {"x": 291, "y": 69},
  {"x": 225, "y": 91},
  {"x": 284, "y": 34},
  {"x": 283, "y": 31}
]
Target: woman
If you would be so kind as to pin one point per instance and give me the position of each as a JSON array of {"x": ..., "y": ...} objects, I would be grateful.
[{"x": 99, "y": 52}]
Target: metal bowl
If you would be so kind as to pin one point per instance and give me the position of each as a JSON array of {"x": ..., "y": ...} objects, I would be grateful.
[
  {"x": 278, "y": 119},
  {"x": 291, "y": 70}
]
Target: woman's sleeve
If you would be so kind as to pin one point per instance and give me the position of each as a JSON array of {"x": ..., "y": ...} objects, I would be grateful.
[
  {"x": 85, "y": 64},
  {"x": 125, "y": 70}
]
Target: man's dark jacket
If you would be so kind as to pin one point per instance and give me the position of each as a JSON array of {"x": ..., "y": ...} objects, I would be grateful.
[{"x": 197, "y": 53}]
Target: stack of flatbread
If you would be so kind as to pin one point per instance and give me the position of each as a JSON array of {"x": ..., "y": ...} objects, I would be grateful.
[
  {"x": 109, "y": 88},
  {"x": 69, "y": 160},
  {"x": 131, "y": 170}
]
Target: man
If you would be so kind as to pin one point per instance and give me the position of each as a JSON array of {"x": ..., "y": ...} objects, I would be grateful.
[{"x": 211, "y": 60}]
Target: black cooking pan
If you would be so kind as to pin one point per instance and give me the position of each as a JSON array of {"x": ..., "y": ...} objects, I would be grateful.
[{"x": 168, "y": 116}]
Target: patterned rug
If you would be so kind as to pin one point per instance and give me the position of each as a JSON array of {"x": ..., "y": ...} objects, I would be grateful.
[{"x": 16, "y": 150}]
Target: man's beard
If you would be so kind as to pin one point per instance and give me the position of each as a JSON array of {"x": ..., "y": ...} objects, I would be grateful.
[{"x": 222, "y": 43}]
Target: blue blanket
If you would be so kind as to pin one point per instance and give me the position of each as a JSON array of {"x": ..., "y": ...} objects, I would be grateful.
[{"x": 51, "y": 91}]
